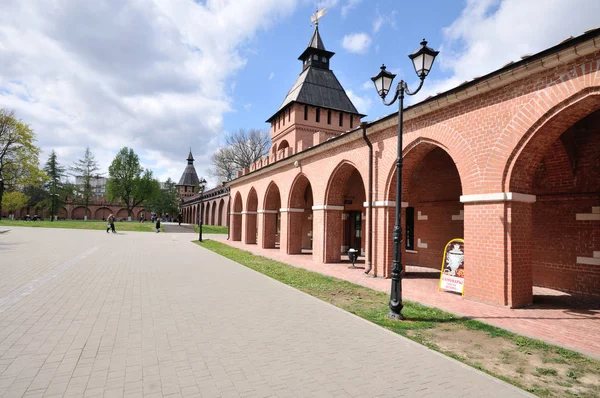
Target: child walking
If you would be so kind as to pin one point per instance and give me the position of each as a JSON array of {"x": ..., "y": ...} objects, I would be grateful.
[{"x": 157, "y": 224}]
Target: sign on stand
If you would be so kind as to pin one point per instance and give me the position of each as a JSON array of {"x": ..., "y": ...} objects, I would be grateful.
[{"x": 452, "y": 276}]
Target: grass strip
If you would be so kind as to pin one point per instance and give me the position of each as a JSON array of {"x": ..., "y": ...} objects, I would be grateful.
[
  {"x": 211, "y": 229},
  {"x": 515, "y": 363},
  {"x": 134, "y": 226}
]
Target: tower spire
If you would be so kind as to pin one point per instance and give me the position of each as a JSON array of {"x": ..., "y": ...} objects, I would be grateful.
[{"x": 190, "y": 157}]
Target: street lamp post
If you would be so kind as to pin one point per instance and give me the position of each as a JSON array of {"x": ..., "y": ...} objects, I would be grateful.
[
  {"x": 53, "y": 206},
  {"x": 422, "y": 61},
  {"x": 201, "y": 186}
]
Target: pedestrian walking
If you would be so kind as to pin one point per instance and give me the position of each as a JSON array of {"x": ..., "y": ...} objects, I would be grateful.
[
  {"x": 111, "y": 224},
  {"x": 157, "y": 224},
  {"x": 180, "y": 218}
]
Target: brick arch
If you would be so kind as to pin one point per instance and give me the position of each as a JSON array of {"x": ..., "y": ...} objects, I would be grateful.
[
  {"x": 567, "y": 88},
  {"x": 299, "y": 224},
  {"x": 520, "y": 166},
  {"x": 122, "y": 213},
  {"x": 455, "y": 142},
  {"x": 206, "y": 214},
  {"x": 334, "y": 193},
  {"x": 272, "y": 200},
  {"x": 237, "y": 203},
  {"x": 220, "y": 212},
  {"x": 250, "y": 217},
  {"x": 101, "y": 213},
  {"x": 298, "y": 188},
  {"x": 236, "y": 217},
  {"x": 269, "y": 229},
  {"x": 213, "y": 213},
  {"x": 78, "y": 213},
  {"x": 251, "y": 200},
  {"x": 282, "y": 145},
  {"x": 412, "y": 155}
]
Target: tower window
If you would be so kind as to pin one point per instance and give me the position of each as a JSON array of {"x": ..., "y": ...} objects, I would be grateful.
[
  {"x": 316, "y": 57},
  {"x": 318, "y": 115},
  {"x": 341, "y": 119},
  {"x": 328, "y": 117},
  {"x": 305, "y": 112},
  {"x": 351, "y": 121},
  {"x": 324, "y": 59},
  {"x": 283, "y": 117},
  {"x": 289, "y": 114}
]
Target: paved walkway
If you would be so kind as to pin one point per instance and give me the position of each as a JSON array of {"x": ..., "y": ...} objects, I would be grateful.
[
  {"x": 85, "y": 313},
  {"x": 571, "y": 321}
]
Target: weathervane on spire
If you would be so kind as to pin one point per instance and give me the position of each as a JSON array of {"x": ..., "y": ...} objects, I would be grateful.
[{"x": 317, "y": 15}]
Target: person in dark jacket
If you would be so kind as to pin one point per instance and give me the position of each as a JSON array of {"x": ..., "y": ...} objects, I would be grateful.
[
  {"x": 157, "y": 224},
  {"x": 111, "y": 224}
]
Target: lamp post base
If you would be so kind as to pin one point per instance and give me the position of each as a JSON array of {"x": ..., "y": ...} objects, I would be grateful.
[
  {"x": 352, "y": 267},
  {"x": 395, "y": 317}
]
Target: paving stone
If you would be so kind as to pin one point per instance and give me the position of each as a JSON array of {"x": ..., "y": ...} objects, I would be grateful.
[{"x": 139, "y": 314}]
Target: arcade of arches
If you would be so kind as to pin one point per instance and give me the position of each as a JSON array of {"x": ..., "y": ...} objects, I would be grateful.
[{"x": 510, "y": 165}]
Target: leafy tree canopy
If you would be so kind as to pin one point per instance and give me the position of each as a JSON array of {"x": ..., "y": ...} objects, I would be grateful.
[{"x": 129, "y": 182}]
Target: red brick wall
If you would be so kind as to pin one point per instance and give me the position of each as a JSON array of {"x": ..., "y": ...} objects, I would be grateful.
[
  {"x": 562, "y": 193},
  {"x": 495, "y": 141}
]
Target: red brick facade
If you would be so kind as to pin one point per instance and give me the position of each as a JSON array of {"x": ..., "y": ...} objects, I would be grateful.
[{"x": 510, "y": 162}]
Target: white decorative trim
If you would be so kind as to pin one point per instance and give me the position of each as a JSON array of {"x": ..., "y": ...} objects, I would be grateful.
[
  {"x": 291, "y": 210},
  {"x": 588, "y": 260},
  {"x": 328, "y": 207},
  {"x": 459, "y": 216},
  {"x": 385, "y": 203},
  {"x": 234, "y": 213},
  {"x": 412, "y": 251},
  {"x": 268, "y": 211},
  {"x": 593, "y": 216},
  {"x": 596, "y": 254},
  {"x": 344, "y": 216},
  {"x": 248, "y": 212},
  {"x": 498, "y": 197},
  {"x": 422, "y": 217},
  {"x": 420, "y": 244}
]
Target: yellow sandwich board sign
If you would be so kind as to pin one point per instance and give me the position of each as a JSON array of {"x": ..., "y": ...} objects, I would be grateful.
[{"x": 452, "y": 276}]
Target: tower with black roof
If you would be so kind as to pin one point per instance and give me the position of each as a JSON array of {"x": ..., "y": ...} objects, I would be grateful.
[
  {"x": 316, "y": 103},
  {"x": 188, "y": 183}
]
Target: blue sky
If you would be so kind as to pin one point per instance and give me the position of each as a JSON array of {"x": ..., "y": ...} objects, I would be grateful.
[
  {"x": 163, "y": 75},
  {"x": 272, "y": 65}
]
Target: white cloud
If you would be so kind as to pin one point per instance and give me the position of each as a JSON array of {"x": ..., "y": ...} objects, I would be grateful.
[
  {"x": 381, "y": 20},
  {"x": 489, "y": 34},
  {"x": 154, "y": 75},
  {"x": 356, "y": 42},
  {"x": 367, "y": 85},
  {"x": 271, "y": 75},
  {"x": 350, "y": 4},
  {"x": 247, "y": 106},
  {"x": 362, "y": 104}
]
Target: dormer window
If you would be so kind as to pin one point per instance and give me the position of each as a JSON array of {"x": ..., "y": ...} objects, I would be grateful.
[
  {"x": 316, "y": 57},
  {"x": 324, "y": 59}
]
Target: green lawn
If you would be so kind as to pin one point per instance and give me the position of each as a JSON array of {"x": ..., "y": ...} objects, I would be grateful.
[
  {"x": 500, "y": 353},
  {"x": 72, "y": 224},
  {"x": 211, "y": 229}
]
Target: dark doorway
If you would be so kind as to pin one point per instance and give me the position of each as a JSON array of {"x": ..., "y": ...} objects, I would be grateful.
[{"x": 353, "y": 230}]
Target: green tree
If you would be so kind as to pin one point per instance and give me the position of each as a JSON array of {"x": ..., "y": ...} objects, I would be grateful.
[
  {"x": 129, "y": 182},
  {"x": 54, "y": 185},
  {"x": 18, "y": 154},
  {"x": 13, "y": 201},
  {"x": 83, "y": 170},
  {"x": 167, "y": 200}
]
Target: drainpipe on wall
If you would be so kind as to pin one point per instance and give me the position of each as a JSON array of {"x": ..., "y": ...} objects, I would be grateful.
[{"x": 363, "y": 126}]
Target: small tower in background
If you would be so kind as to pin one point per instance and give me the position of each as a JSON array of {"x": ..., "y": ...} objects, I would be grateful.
[{"x": 188, "y": 183}]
